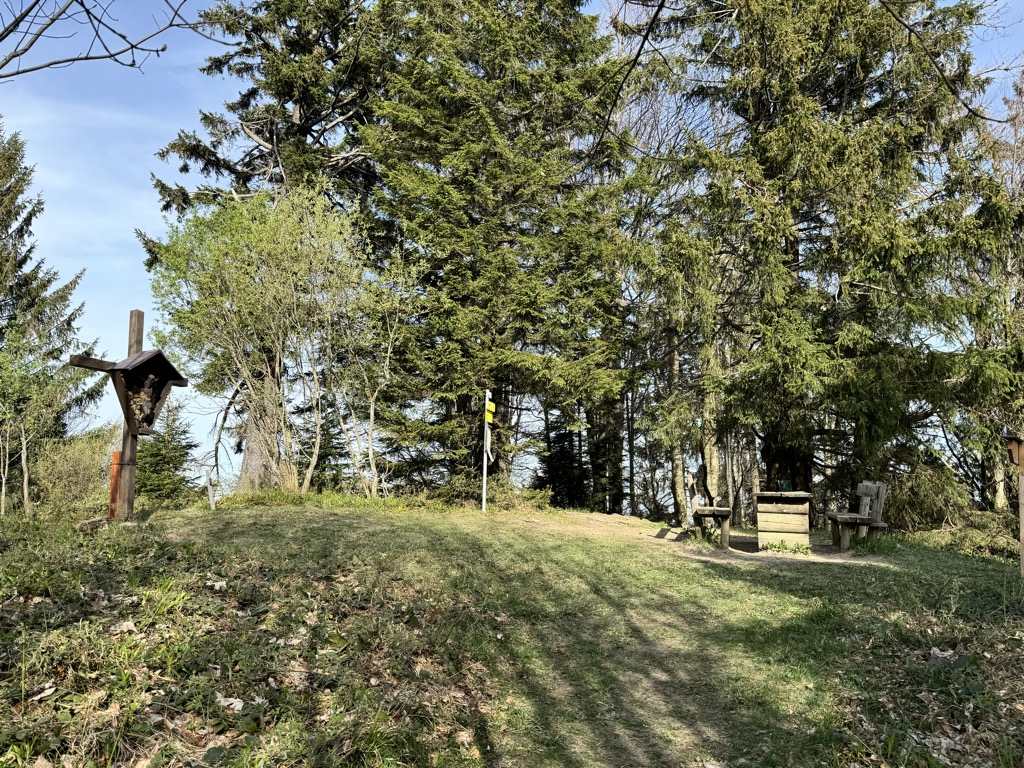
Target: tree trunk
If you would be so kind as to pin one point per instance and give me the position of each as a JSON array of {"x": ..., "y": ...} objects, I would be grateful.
[
  {"x": 733, "y": 478},
  {"x": 709, "y": 439},
  {"x": 634, "y": 509},
  {"x": 26, "y": 501},
  {"x": 604, "y": 439},
  {"x": 257, "y": 470},
  {"x": 1000, "y": 500},
  {"x": 675, "y": 444}
]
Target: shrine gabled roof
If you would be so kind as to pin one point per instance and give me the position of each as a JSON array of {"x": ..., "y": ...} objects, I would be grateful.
[{"x": 152, "y": 361}]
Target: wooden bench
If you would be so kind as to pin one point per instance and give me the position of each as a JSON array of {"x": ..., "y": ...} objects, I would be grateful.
[
  {"x": 868, "y": 520},
  {"x": 721, "y": 515}
]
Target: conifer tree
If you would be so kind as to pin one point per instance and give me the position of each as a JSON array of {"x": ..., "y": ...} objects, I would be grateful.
[
  {"x": 837, "y": 175},
  {"x": 487, "y": 136},
  {"x": 165, "y": 462},
  {"x": 38, "y": 394},
  {"x": 306, "y": 71}
]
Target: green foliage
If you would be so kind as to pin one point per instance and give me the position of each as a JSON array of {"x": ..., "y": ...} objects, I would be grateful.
[
  {"x": 928, "y": 496},
  {"x": 38, "y": 393},
  {"x": 486, "y": 142},
  {"x": 786, "y": 547},
  {"x": 834, "y": 203},
  {"x": 306, "y": 71},
  {"x": 273, "y": 306},
  {"x": 165, "y": 466},
  {"x": 71, "y": 475},
  {"x": 785, "y": 234},
  {"x": 979, "y": 533}
]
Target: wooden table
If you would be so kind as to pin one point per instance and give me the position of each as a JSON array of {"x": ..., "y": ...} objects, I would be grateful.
[{"x": 783, "y": 517}]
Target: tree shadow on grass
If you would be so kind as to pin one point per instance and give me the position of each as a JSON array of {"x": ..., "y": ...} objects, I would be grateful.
[
  {"x": 644, "y": 682},
  {"x": 600, "y": 653}
]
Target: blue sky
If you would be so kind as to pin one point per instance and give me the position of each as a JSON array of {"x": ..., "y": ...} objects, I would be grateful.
[{"x": 92, "y": 130}]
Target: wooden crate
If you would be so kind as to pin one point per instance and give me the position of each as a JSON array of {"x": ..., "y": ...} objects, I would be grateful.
[{"x": 783, "y": 517}]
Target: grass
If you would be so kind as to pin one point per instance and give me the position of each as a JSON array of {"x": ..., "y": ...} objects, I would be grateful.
[{"x": 394, "y": 635}]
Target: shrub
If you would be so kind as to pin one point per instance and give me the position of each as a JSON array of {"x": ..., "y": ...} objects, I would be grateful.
[{"x": 71, "y": 475}]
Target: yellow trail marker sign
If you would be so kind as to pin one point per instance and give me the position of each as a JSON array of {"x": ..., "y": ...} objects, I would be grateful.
[{"x": 489, "y": 413}]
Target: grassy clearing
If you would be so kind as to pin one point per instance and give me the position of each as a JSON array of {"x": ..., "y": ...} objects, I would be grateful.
[{"x": 385, "y": 635}]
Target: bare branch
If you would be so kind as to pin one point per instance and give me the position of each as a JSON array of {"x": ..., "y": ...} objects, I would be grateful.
[
  {"x": 39, "y": 22},
  {"x": 913, "y": 32}
]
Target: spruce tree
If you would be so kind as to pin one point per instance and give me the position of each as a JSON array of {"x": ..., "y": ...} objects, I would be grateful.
[
  {"x": 38, "y": 394},
  {"x": 165, "y": 461},
  {"x": 489, "y": 143},
  {"x": 837, "y": 176},
  {"x": 306, "y": 71}
]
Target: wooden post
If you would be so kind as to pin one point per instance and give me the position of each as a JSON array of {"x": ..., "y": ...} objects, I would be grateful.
[
  {"x": 115, "y": 484},
  {"x": 1020, "y": 509},
  {"x": 1013, "y": 448},
  {"x": 129, "y": 442}
]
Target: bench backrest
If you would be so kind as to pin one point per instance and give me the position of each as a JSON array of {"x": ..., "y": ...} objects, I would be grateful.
[{"x": 872, "y": 500}]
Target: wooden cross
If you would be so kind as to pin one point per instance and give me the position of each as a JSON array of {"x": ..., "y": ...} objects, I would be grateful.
[{"x": 142, "y": 382}]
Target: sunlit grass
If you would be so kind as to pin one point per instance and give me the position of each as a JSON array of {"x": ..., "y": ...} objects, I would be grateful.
[{"x": 403, "y": 634}]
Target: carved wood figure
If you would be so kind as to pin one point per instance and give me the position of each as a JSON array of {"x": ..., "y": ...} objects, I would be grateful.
[{"x": 142, "y": 382}]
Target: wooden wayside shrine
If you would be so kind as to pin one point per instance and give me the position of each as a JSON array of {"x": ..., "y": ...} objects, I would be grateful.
[{"x": 142, "y": 381}]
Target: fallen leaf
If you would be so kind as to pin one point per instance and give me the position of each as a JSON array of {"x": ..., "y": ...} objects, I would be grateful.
[
  {"x": 232, "y": 704},
  {"x": 49, "y": 690}
]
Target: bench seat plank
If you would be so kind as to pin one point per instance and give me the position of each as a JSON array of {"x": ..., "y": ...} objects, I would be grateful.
[{"x": 721, "y": 515}]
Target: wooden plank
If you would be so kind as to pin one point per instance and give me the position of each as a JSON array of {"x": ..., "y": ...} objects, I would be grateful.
[
  {"x": 787, "y": 509},
  {"x": 772, "y": 522},
  {"x": 725, "y": 533},
  {"x": 792, "y": 539},
  {"x": 865, "y": 506},
  {"x": 787, "y": 527},
  {"x": 92, "y": 363},
  {"x": 879, "y": 505},
  {"x": 847, "y": 518}
]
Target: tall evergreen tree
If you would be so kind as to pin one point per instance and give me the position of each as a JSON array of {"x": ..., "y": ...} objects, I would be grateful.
[
  {"x": 306, "y": 71},
  {"x": 488, "y": 139},
  {"x": 38, "y": 394},
  {"x": 837, "y": 174},
  {"x": 165, "y": 461}
]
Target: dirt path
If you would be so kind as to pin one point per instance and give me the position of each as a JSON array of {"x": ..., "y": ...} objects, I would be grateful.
[{"x": 743, "y": 546}]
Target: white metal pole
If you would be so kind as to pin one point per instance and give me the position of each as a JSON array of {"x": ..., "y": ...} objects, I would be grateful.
[{"x": 487, "y": 401}]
